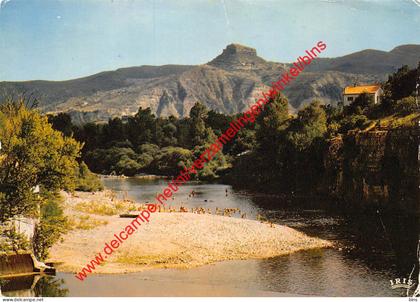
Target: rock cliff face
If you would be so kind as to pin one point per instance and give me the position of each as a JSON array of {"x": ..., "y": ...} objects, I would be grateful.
[
  {"x": 238, "y": 57},
  {"x": 228, "y": 84},
  {"x": 375, "y": 167},
  {"x": 375, "y": 175}
]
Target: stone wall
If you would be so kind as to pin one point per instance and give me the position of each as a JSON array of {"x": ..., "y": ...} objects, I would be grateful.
[{"x": 15, "y": 264}]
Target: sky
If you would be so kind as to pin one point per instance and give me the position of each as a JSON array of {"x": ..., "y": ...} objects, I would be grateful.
[{"x": 65, "y": 39}]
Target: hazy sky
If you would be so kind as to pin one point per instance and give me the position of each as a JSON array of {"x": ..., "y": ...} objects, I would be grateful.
[{"x": 63, "y": 39}]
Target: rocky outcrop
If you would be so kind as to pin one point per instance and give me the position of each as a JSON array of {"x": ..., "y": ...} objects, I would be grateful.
[
  {"x": 226, "y": 84},
  {"x": 238, "y": 57},
  {"x": 378, "y": 167}
]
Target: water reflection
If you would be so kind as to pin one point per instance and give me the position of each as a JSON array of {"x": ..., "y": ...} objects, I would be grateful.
[
  {"x": 51, "y": 286},
  {"x": 380, "y": 237},
  {"x": 310, "y": 273},
  {"x": 33, "y": 286},
  {"x": 324, "y": 273}
]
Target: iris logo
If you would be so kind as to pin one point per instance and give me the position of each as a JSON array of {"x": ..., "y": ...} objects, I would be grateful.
[
  {"x": 401, "y": 283},
  {"x": 408, "y": 283}
]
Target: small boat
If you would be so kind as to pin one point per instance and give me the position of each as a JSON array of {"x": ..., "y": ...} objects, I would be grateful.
[{"x": 128, "y": 215}]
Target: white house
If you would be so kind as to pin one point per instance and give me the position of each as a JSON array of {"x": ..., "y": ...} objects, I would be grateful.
[{"x": 350, "y": 93}]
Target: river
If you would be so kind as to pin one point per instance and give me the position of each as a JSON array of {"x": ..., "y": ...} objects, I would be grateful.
[{"x": 350, "y": 269}]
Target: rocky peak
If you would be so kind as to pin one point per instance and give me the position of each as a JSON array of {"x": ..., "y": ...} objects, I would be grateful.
[{"x": 236, "y": 56}]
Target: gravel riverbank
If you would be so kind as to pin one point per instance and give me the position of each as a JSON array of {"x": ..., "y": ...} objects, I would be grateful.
[{"x": 171, "y": 240}]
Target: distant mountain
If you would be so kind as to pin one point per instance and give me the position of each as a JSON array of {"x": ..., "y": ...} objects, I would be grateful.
[
  {"x": 228, "y": 83},
  {"x": 371, "y": 61}
]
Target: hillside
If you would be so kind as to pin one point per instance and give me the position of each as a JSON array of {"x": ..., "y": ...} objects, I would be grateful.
[
  {"x": 370, "y": 61},
  {"x": 227, "y": 83}
]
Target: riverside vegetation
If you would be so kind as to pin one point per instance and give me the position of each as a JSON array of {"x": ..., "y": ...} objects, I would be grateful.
[
  {"x": 33, "y": 155},
  {"x": 281, "y": 152},
  {"x": 277, "y": 146}
]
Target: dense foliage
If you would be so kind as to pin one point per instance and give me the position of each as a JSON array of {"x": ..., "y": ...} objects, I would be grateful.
[
  {"x": 146, "y": 144},
  {"x": 53, "y": 224},
  {"x": 278, "y": 144},
  {"x": 33, "y": 154},
  {"x": 289, "y": 151},
  {"x": 85, "y": 180},
  {"x": 36, "y": 162},
  {"x": 279, "y": 152}
]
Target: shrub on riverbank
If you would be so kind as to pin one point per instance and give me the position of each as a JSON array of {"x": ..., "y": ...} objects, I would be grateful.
[
  {"x": 36, "y": 162},
  {"x": 86, "y": 181},
  {"x": 52, "y": 224}
]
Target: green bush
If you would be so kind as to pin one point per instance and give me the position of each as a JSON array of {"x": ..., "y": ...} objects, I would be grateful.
[
  {"x": 147, "y": 153},
  {"x": 354, "y": 121},
  {"x": 210, "y": 170},
  {"x": 87, "y": 181},
  {"x": 113, "y": 160},
  {"x": 52, "y": 225},
  {"x": 12, "y": 241},
  {"x": 171, "y": 160},
  {"x": 126, "y": 166},
  {"x": 150, "y": 149},
  {"x": 144, "y": 160},
  {"x": 363, "y": 104},
  {"x": 405, "y": 106}
]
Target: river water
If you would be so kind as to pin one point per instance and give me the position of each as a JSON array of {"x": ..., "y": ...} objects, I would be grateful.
[{"x": 357, "y": 266}]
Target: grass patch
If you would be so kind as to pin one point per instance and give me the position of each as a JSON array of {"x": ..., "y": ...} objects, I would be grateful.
[
  {"x": 105, "y": 209},
  {"x": 398, "y": 121},
  {"x": 86, "y": 222},
  {"x": 152, "y": 260}
]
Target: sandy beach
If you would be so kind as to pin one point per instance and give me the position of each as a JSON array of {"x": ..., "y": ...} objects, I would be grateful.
[{"x": 170, "y": 240}]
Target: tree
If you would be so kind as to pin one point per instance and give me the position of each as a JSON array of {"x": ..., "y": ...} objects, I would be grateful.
[
  {"x": 141, "y": 128},
  {"x": 33, "y": 154},
  {"x": 200, "y": 134},
  {"x": 183, "y": 133},
  {"x": 245, "y": 141},
  {"x": 61, "y": 122},
  {"x": 113, "y": 160},
  {"x": 53, "y": 223},
  {"x": 406, "y": 106},
  {"x": 171, "y": 160},
  {"x": 166, "y": 132},
  {"x": 361, "y": 105},
  {"x": 219, "y": 122},
  {"x": 146, "y": 154},
  {"x": 87, "y": 181},
  {"x": 311, "y": 123},
  {"x": 402, "y": 83},
  {"x": 114, "y": 131},
  {"x": 264, "y": 159},
  {"x": 90, "y": 135},
  {"x": 270, "y": 123}
]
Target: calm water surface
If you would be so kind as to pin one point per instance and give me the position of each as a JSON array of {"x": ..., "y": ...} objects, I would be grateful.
[{"x": 346, "y": 270}]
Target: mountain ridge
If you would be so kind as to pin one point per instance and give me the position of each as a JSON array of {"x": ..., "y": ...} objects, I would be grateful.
[{"x": 228, "y": 83}]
